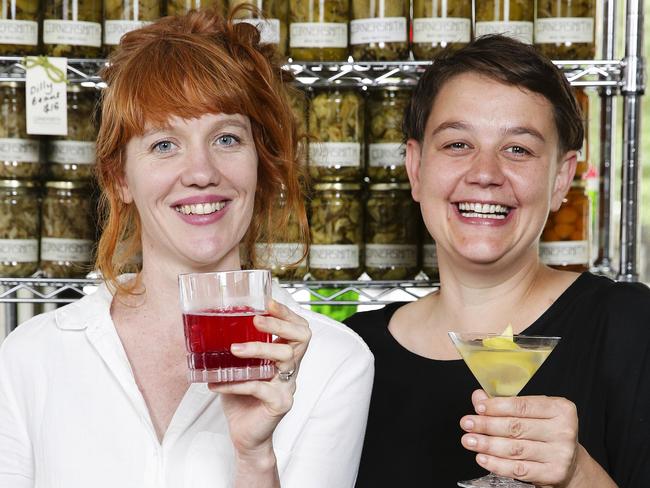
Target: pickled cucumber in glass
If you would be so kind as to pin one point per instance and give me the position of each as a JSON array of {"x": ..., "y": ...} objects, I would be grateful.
[
  {"x": 386, "y": 109},
  {"x": 273, "y": 22},
  {"x": 564, "y": 29},
  {"x": 19, "y": 27},
  {"x": 19, "y": 152},
  {"x": 512, "y": 18},
  {"x": 336, "y": 128},
  {"x": 336, "y": 226},
  {"x": 72, "y": 28},
  {"x": 318, "y": 30},
  {"x": 180, "y": 7},
  {"x": 440, "y": 24},
  {"x": 379, "y": 30},
  {"x": 122, "y": 16},
  {"x": 19, "y": 231},
  {"x": 392, "y": 225}
]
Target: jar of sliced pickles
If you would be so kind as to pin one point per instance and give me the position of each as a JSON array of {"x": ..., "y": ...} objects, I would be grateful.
[
  {"x": 386, "y": 109},
  {"x": 318, "y": 30},
  {"x": 19, "y": 221},
  {"x": 19, "y": 28},
  {"x": 72, "y": 157},
  {"x": 565, "y": 239},
  {"x": 122, "y": 16},
  {"x": 564, "y": 29},
  {"x": 181, "y": 7},
  {"x": 512, "y": 18},
  {"x": 336, "y": 128},
  {"x": 72, "y": 28},
  {"x": 379, "y": 30},
  {"x": 19, "y": 152},
  {"x": 438, "y": 25},
  {"x": 67, "y": 230},
  {"x": 392, "y": 225},
  {"x": 429, "y": 256},
  {"x": 273, "y": 25},
  {"x": 336, "y": 227}
]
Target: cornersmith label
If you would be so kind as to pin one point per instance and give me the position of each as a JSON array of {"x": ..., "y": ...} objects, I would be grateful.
[
  {"x": 387, "y": 29},
  {"x": 438, "y": 30},
  {"x": 77, "y": 152},
  {"x": 567, "y": 29},
  {"x": 335, "y": 154},
  {"x": 334, "y": 256},
  {"x": 564, "y": 252},
  {"x": 19, "y": 250},
  {"x": 318, "y": 34},
  {"x": 46, "y": 96},
  {"x": 57, "y": 249},
  {"x": 386, "y": 154},
  {"x": 73, "y": 32},
  {"x": 115, "y": 29},
  {"x": 23, "y": 32},
  {"x": 520, "y": 30},
  {"x": 269, "y": 29},
  {"x": 20, "y": 150},
  {"x": 388, "y": 255}
]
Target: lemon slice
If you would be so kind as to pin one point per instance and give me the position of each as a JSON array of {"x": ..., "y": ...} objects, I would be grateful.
[{"x": 503, "y": 341}]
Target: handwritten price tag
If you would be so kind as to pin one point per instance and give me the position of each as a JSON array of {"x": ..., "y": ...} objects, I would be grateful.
[{"x": 46, "y": 95}]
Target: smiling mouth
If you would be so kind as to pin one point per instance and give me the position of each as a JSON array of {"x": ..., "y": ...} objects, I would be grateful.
[
  {"x": 483, "y": 210},
  {"x": 200, "y": 208}
]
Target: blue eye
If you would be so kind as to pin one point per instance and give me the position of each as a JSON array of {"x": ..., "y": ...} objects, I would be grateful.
[
  {"x": 227, "y": 140},
  {"x": 163, "y": 146}
]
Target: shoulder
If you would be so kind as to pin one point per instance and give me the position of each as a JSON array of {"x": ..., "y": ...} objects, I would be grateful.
[
  {"x": 371, "y": 325},
  {"x": 621, "y": 298}
]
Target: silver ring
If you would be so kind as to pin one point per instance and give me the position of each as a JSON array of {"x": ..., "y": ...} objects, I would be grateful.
[{"x": 286, "y": 375}]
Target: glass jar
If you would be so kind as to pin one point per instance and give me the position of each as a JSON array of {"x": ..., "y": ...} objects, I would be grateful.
[
  {"x": 391, "y": 244},
  {"x": 336, "y": 227},
  {"x": 583, "y": 154},
  {"x": 379, "y": 30},
  {"x": 19, "y": 152},
  {"x": 564, "y": 29},
  {"x": 429, "y": 256},
  {"x": 299, "y": 102},
  {"x": 336, "y": 129},
  {"x": 72, "y": 28},
  {"x": 318, "y": 30},
  {"x": 436, "y": 27},
  {"x": 19, "y": 28},
  {"x": 67, "y": 231},
  {"x": 273, "y": 27},
  {"x": 512, "y": 18},
  {"x": 565, "y": 240},
  {"x": 72, "y": 157},
  {"x": 181, "y": 7},
  {"x": 19, "y": 220},
  {"x": 386, "y": 109},
  {"x": 122, "y": 16}
]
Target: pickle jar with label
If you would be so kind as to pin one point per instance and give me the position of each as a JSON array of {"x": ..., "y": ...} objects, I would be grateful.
[
  {"x": 19, "y": 28},
  {"x": 19, "y": 152},
  {"x": 386, "y": 109},
  {"x": 439, "y": 25},
  {"x": 67, "y": 229},
  {"x": 565, "y": 239},
  {"x": 181, "y": 7},
  {"x": 429, "y": 255},
  {"x": 392, "y": 225},
  {"x": 318, "y": 30},
  {"x": 122, "y": 16},
  {"x": 72, "y": 28},
  {"x": 512, "y": 18},
  {"x": 336, "y": 227},
  {"x": 19, "y": 221},
  {"x": 272, "y": 24},
  {"x": 379, "y": 30},
  {"x": 336, "y": 129},
  {"x": 72, "y": 157},
  {"x": 564, "y": 29}
]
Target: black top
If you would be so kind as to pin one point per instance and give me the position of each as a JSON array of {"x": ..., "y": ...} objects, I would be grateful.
[{"x": 602, "y": 364}]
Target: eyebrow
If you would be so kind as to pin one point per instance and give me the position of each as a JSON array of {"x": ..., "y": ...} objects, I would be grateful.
[
  {"x": 224, "y": 119},
  {"x": 517, "y": 130}
]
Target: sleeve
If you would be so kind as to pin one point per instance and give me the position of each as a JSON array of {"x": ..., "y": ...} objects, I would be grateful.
[
  {"x": 328, "y": 451},
  {"x": 16, "y": 455}
]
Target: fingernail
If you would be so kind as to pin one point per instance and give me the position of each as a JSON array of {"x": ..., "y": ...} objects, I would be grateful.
[
  {"x": 481, "y": 459},
  {"x": 468, "y": 424},
  {"x": 471, "y": 441},
  {"x": 236, "y": 347},
  {"x": 480, "y": 408}
]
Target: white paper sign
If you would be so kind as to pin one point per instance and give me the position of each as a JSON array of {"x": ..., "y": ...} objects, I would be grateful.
[{"x": 46, "y": 96}]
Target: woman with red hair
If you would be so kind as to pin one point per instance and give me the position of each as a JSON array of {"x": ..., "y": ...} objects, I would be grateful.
[{"x": 196, "y": 140}]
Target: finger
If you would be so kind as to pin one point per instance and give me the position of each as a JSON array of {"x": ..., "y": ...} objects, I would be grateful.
[
  {"x": 278, "y": 401},
  {"x": 277, "y": 352},
  {"x": 540, "y": 407},
  {"x": 510, "y": 427},
  {"x": 500, "y": 447},
  {"x": 280, "y": 311},
  {"x": 478, "y": 397},
  {"x": 289, "y": 331},
  {"x": 521, "y": 470}
]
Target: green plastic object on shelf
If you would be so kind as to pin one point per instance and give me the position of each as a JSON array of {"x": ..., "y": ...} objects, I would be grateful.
[{"x": 336, "y": 312}]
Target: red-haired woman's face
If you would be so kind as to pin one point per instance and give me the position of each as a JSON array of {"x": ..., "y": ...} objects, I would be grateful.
[{"x": 193, "y": 184}]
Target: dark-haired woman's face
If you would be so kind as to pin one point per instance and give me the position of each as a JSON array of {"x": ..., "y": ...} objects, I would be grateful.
[
  {"x": 193, "y": 183},
  {"x": 488, "y": 171}
]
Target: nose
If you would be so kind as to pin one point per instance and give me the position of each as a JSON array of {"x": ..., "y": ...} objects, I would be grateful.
[
  {"x": 200, "y": 167},
  {"x": 485, "y": 170}
]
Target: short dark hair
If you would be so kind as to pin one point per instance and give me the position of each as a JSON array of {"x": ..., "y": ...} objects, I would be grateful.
[{"x": 510, "y": 62}]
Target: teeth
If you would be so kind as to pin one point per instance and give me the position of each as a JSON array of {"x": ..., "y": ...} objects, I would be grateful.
[
  {"x": 487, "y": 210},
  {"x": 200, "y": 208}
]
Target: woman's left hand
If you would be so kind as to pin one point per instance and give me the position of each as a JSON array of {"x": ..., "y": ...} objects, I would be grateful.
[
  {"x": 531, "y": 438},
  {"x": 254, "y": 408}
]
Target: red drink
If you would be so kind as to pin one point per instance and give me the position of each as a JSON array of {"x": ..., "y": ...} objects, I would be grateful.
[{"x": 209, "y": 335}]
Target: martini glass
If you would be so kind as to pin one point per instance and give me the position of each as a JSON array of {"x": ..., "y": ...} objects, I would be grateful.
[{"x": 502, "y": 364}]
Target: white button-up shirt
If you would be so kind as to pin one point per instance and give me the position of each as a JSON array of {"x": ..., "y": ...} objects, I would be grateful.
[{"x": 71, "y": 414}]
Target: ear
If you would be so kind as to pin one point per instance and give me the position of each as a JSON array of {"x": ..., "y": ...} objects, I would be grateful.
[
  {"x": 563, "y": 178},
  {"x": 123, "y": 190},
  {"x": 412, "y": 163}
]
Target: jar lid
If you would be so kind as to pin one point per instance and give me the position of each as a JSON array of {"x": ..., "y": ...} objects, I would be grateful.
[
  {"x": 67, "y": 185},
  {"x": 10, "y": 84},
  {"x": 337, "y": 186},
  {"x": 17, "y": 184},
  {"x": 390, "y": 186}
]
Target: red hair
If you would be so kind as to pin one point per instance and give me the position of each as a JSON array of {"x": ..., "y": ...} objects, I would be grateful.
[{"x": 187, "y": 66}]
